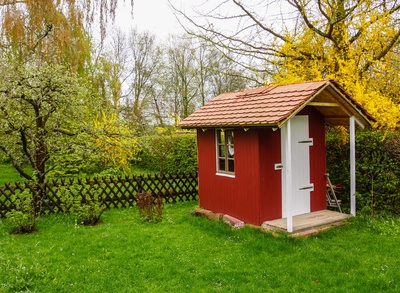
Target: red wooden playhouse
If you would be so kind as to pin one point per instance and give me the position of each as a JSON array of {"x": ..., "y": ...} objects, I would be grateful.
[{"x": 261, "y": 152}]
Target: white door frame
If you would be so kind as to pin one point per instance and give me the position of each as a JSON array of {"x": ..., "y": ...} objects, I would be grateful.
[{"x": 288, "y": 191}]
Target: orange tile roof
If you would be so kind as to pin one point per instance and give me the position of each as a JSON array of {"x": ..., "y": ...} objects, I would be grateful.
[{"x": 265, "y": 106}]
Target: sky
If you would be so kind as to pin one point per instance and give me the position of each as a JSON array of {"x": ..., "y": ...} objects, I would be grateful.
[
  {"x": 156, "y": 16},
  {"x": 153, "y": 15}
]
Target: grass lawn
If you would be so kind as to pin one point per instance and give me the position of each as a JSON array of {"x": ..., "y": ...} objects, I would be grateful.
[
  {"x": 184, "y": 253},
  {"x": 9, "y": 174}
]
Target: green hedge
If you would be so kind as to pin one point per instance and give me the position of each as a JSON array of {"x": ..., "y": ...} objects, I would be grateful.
[
  {"x": 168, "y": 153},
  {"x": 377, "y": 169}
]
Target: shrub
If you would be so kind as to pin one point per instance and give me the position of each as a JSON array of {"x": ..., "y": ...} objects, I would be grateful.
[
  {"x": 150, "y": 209},
  {"x": 377, "y": 173},
  {"x": 77, "y": 157},
  {"x": 183, "y": 154},
  {"x": 85, "y": 207},
  {"x": 168, "y": 152},
  {"x": 25, "y": 213},
  {"x": 3, "y": 158}
]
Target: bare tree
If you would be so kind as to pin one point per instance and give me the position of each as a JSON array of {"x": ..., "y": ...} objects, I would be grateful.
[
  {"x": 182, "y": 72},
  {"x": 192, "y": 73},
  {"x": 226, "y": 75},
  {"x": 144, "y": 67}
]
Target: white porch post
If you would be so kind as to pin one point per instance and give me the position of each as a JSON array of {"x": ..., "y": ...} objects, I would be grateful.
[
  {"x": 352, "y": 166},
  {"x": 288, "y": 170}
]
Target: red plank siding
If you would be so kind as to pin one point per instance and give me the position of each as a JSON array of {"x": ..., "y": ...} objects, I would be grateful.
[
  {"x": 270, "y": 179},
  {"x": 238, "y": 196}
]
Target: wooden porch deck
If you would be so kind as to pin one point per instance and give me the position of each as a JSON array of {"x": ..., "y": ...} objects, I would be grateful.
[{"x": 308, "y": 223}]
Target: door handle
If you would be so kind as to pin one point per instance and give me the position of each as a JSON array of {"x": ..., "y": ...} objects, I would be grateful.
[
  {"x": 307, "y": 187},
  {"x": 306, "y": 141}
]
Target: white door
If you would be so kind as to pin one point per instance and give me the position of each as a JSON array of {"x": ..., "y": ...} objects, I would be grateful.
[{"x": 300, "y": 186}]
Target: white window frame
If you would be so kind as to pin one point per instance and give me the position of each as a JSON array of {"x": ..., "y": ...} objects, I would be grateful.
[{"x": 219, "y": 172}]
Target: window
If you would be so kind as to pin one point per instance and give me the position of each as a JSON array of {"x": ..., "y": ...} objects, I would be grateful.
[{"x": 225, "y": 151}]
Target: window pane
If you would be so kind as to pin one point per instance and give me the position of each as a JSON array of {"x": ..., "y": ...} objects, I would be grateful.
[
  {"x": 221, "y": 151},
  {"x": 231, "y": 151},
  {"x": 229, "y": 143},
  {"x": 221, "y": 136},
  {"x": 229, "y": 136},
  {"x": 221, "y": 164},
  {"x": 231, "y": 165}
]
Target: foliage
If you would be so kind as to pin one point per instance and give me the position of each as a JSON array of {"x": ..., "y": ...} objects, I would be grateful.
[
  {"x": 357, "y": 59},
  {"x": 25, "y": 214},
  {"x": 25, "y": 20},
  {"x": 77, "y": 157},
  {"x": 384, "y": 224},
  {"x": 150, "y": 208},
  {"x": 47, "y": 90},
  {"x": 198, "y": 72},
  {"x": 169, "y": 152},
  {"x": 378, "y": 168},
  {"x": 3, "y": 158},
  {"x": 183, "y": 155},
  {"x": 114, "y": 141},
  {"x": 107, "y": 143},
  {"x": 186, "y": 253},
  {"x": 365, "y": 90},
  {"x": 40, "y": 105},
  {"x": 44, "y": 28},
  {"x": 378, "y": 103},
  {"x": 86, "y": 207}
]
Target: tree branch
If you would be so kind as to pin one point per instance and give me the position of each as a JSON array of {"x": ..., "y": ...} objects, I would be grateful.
[
  {"x": 384, "y": 52},
  {"x": 307, "y": 21},
  {"x": 259, "y": 24},
  {"x": 48, "y": 29},
  {"x": 14, "y": 162},
  {"x": 25, "y": 147}
]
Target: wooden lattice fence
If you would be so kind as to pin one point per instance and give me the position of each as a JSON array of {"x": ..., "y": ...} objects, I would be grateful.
[{"x": 115, "y": 192}]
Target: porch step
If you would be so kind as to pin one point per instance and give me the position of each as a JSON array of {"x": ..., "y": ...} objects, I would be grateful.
[{"x": 316, "y": 220}]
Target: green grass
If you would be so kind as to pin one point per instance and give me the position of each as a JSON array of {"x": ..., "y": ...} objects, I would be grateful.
[
  {"x": 9, "y": 174},
  {"x": 184, "y": 253}
]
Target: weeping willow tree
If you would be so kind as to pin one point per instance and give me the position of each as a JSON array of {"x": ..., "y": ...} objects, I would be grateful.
[{"x": 53, "y": 30}]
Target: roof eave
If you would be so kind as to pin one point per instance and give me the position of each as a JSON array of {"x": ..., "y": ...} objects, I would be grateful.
[
  {"x": 225, "y": 126},
  {"x": 346, "y": 97},
  {"x": 301, "y": 107},
  {"x": 354, "y": 105}
]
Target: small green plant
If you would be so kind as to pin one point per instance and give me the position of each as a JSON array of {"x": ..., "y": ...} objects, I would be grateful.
[
  {"x": 25, "y": 213},
  {"x": 150, "y": 209},
  {"x": 84, "y": 203}
]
